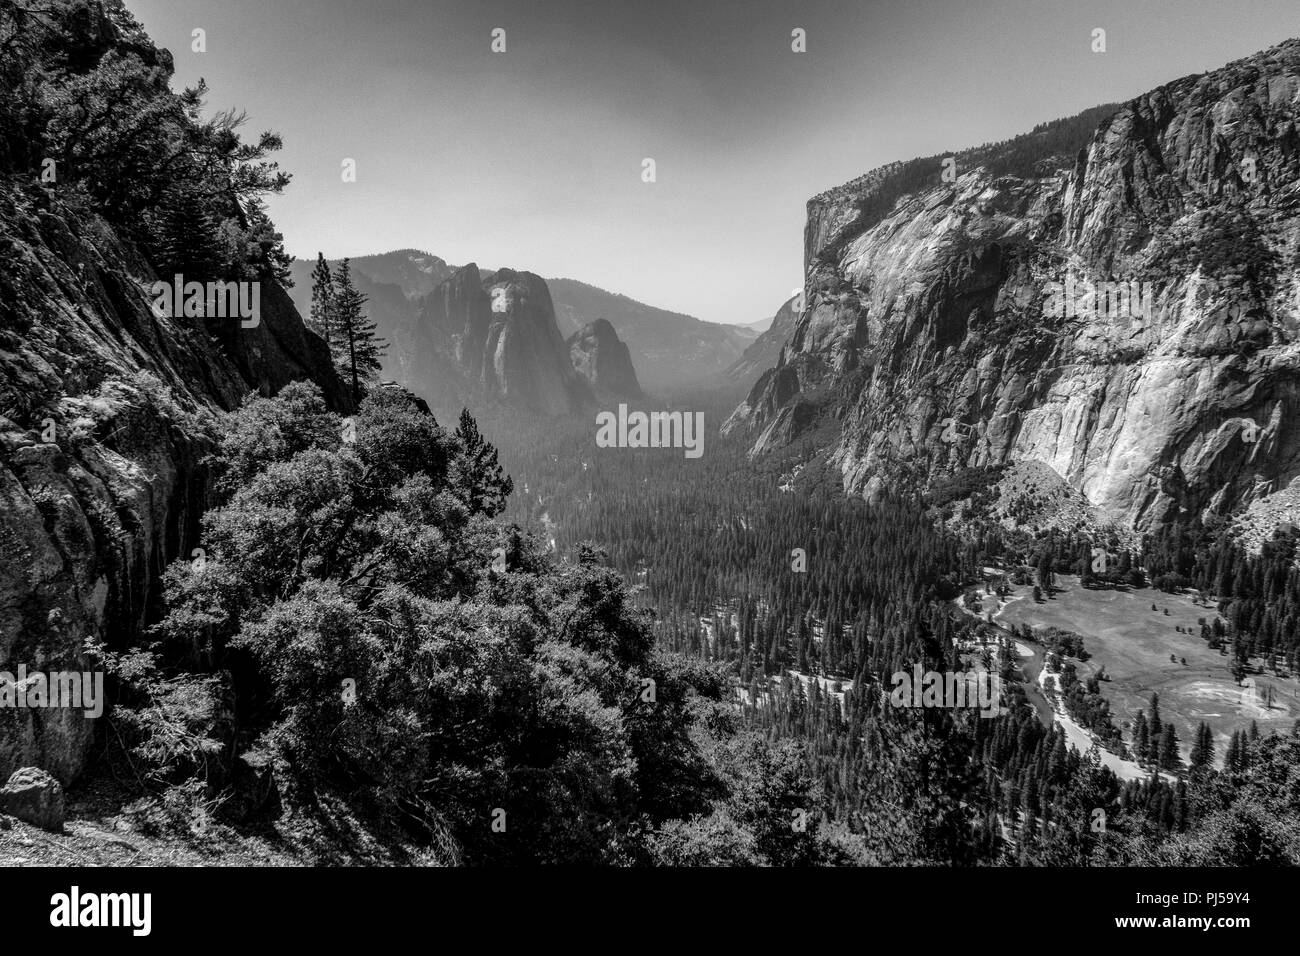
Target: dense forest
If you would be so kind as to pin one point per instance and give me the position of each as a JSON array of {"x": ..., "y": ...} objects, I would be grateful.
[
  {"x": 811, "y": 600},
  {"x": 1259, "y": 593}
]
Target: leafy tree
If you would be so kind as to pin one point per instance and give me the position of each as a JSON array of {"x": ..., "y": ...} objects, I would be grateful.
[{"x": 349, "y": 588}]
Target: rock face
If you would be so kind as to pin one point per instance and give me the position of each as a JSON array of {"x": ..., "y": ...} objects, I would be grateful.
[
  {"x": 32, "y": 795},
  {"x": 765, "y": 351},
  {"x": 671, "y": 350},
  {"x": 106, "y": 415},
  {"x": 603, "y": 360},
  {"x": 950, "y": 324},
  {"x": 492, "y": 338}
]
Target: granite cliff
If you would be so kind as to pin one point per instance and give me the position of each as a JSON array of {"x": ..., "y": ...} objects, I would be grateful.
[
  {"x": 488, "y": 338},
  {"x": 1116, "y": 296},
  {"x": 603, "y": 360}
]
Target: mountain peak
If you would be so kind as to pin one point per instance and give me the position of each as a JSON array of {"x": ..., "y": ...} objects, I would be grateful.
[{"x": 603, "y": 360}]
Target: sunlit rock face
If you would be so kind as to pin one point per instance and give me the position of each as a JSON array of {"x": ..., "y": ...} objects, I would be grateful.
[
  {"x": 1126, "y": 312},
  {"x": 493, "y": 338},
  {"x": 603, "y": 361}
]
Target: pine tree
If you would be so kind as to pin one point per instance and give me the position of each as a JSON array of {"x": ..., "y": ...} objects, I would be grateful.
[
  {"x": 186, "y": 237},
  {"x": 1153, "y": 751},
  {"x": 360, "y": 346},
  {"x": 1232, "y": 757},
  {"x": 1169, "y": 758},
  {"x": 322, "y": 301},
  {"x": 1084, "y": 564},
  {"x": 1046, "y": 574},
  {"x": 1141, "y": 737},
  {"x": 1202, "y": 755}
]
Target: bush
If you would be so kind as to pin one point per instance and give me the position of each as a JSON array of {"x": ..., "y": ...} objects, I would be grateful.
[{"x": 354, "y": 591}]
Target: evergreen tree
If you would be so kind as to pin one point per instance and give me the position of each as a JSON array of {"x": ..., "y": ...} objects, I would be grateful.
[
  {"x": 1153, "y": 750},
  {"x": 360, "y": 346},
  {"x": 186, "y": 237},
  {"x": 477, "y": 470},
  {"x": 322, "y": 301},
  {"x": 1169, "y": 758},
  {"x": 1202, "y": 755},
  {"x": 1232, "y": 756},
  {"x": 1045, "y": 571}
]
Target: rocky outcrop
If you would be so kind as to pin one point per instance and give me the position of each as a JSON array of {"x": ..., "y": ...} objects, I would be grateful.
[
  {"x": 671, "y": 350},
  {"x": 524, "y": 360},
  {"x": 107, "y": 412},
  {"x": 603, "y": 360},
  {"x": 34, "y": 797},
  {"x": 492, "y": 338},
  {"x": 1123, "y": 309}
]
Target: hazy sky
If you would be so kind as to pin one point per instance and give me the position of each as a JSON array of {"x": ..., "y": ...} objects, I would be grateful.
[{"x": 532, "y": 158}]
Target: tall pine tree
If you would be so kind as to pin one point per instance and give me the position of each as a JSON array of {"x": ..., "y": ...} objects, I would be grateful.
[
  {"x": 1169, "y": 757},
  {"x": 1153, "y": 749},
  {"x": 360, "y": 346},
  {"x": 187, "y": 237},
  {"x": 322, "y": 301},
  {"x": 477, "y": 471},
  {"x": 1202, "y": 756}
]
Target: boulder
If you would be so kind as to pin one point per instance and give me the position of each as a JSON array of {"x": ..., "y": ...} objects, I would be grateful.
[{"x": 34, "y": 796}]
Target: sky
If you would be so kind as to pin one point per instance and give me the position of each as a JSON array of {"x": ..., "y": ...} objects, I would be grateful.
[{"x": 532, "y": 158}]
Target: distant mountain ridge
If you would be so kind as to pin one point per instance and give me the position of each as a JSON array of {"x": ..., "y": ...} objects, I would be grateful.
[
  {"x": 668, "y": 349},
  {"x": 765, "y": 351},
  {"x": 415, "y": 272}
]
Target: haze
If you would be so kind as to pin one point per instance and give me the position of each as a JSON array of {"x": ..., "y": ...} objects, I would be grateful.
[{"x": 532, "y": 158}]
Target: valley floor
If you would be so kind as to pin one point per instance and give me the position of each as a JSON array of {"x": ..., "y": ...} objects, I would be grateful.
[{"x": 1134, "y": 645}]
